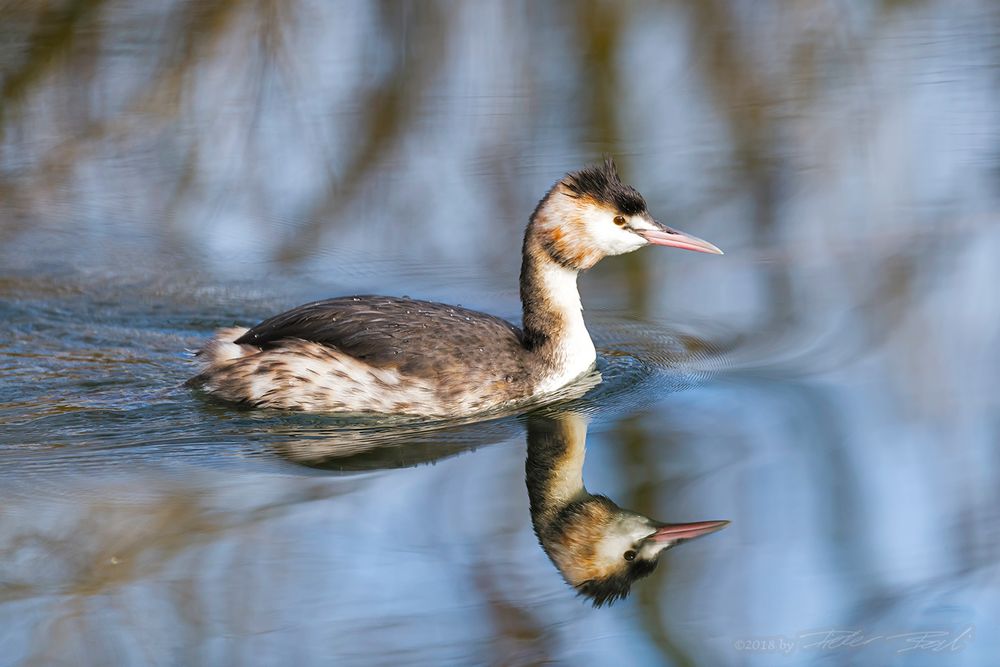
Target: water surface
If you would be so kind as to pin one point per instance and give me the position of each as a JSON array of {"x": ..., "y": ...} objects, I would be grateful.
[{"x": 828, "y": 385}]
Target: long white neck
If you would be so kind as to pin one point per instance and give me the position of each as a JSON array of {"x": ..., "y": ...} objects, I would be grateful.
[{"x": 553, "y": 319}]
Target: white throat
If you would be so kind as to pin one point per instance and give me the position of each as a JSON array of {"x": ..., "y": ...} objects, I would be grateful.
[{"x": 574, "y": 353}]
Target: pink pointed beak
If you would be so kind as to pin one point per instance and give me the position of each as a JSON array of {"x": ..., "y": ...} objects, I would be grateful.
[
  {"x": 664, "y": 235},
  {"x": 686, "y": 531}
]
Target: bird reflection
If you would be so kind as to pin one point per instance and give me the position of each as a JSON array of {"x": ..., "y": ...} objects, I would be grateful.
[{"x": 599, "y": 548}]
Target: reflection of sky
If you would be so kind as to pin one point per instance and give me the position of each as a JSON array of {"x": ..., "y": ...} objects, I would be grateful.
[{"x": 845, "y": 157}]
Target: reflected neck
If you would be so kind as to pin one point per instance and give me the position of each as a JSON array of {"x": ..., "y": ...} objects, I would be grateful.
[{"x": 554, "y": 467}]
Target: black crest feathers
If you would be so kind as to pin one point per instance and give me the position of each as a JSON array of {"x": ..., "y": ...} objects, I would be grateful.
[
  {"x": 602, "y": 183},
  {"x": 615, "y": 587}
]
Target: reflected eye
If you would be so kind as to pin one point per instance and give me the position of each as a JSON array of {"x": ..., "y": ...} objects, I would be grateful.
[
  {"x": 620, "y": 221},
  {"x": 629, "y": 555}
]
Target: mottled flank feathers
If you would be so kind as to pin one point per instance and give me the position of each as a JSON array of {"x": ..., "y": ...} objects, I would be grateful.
[
  {"x": 370, "y": 355},
  {"x": 307, "y": 376}
]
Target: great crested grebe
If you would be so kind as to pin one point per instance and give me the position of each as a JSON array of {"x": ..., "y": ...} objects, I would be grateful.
[
  {"x": 599, "y": 548},
  {"x": 390, "y": 355}
]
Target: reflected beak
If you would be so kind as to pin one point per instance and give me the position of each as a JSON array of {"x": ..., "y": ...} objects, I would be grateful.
[
  {"x": 664, "y": 235},
  {"x": 686, "y": 531}
]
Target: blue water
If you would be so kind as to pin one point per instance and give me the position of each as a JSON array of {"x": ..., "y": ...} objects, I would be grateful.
[{"x": 828, "y": 385}]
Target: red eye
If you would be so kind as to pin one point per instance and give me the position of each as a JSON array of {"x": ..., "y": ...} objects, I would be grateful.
[{"x": 620, "y": 220}]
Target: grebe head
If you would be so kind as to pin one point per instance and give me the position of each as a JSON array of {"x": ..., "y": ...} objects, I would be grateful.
[
  {"x": 591, "y": 214},
  {"x": 601, "y": 549}
]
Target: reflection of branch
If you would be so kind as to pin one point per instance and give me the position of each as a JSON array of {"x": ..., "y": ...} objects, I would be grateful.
[
  {"x": 636, "y": 455},
  {"x": 519, "y": 635},
  {"x": 87, "y": 559},
  {"x": 54, "y": 36},
  {"x": 106, "y": 549},
  {"x": 199, "y": 25},
  {"x": 747, "y": 102},
  {"x": 600, "y": 33},
  {"x": 387, "y": 109}
]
